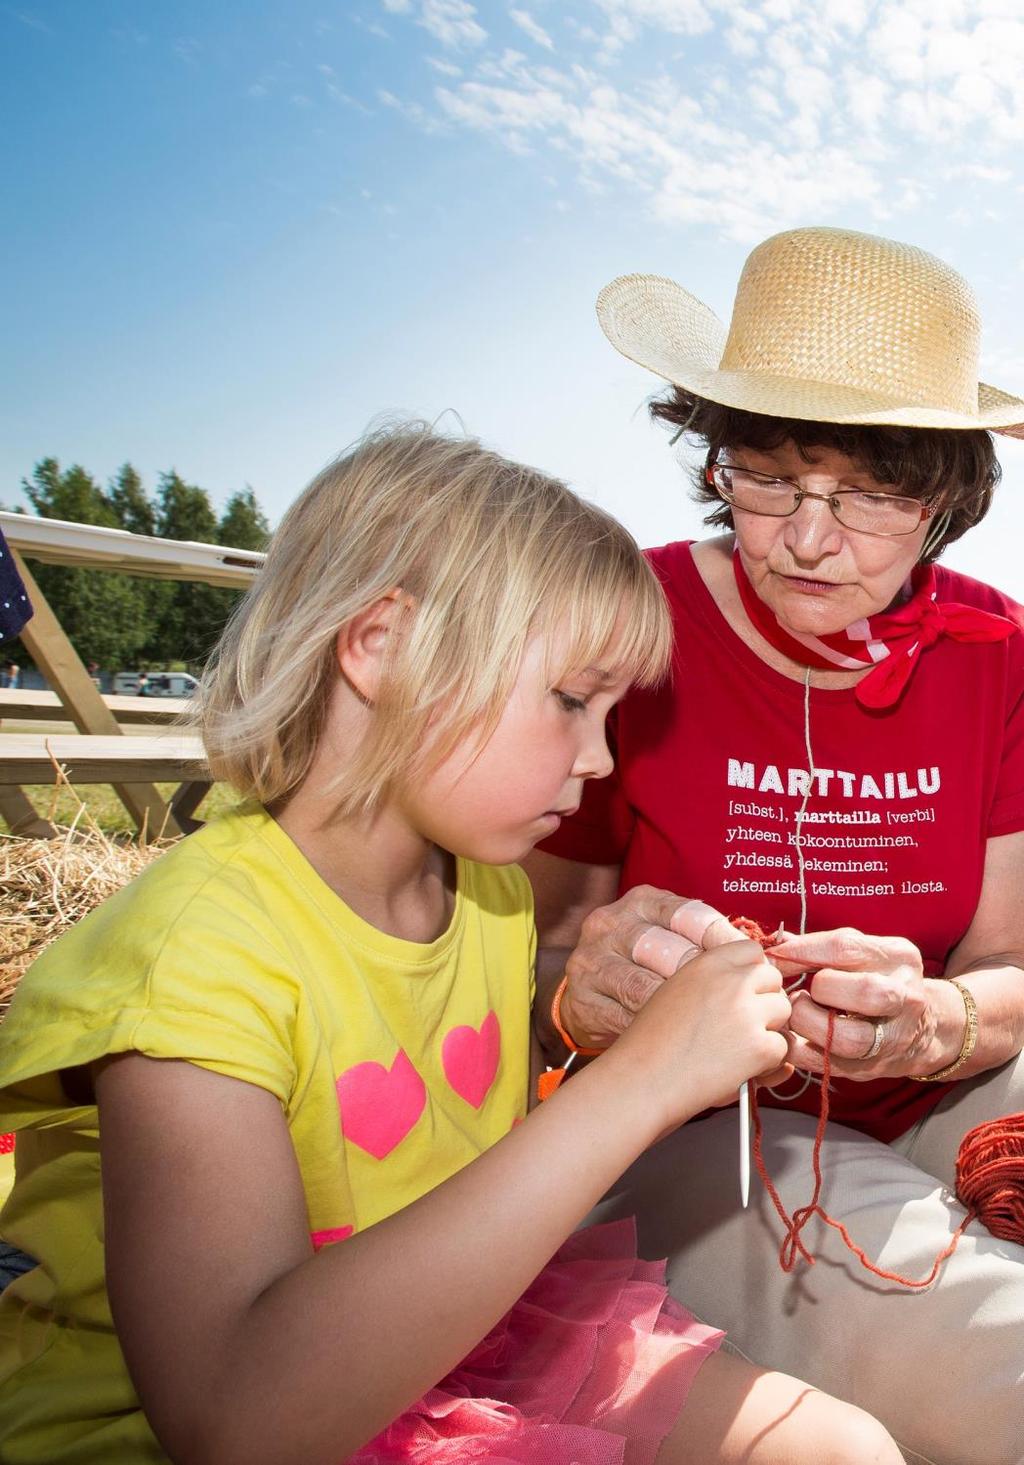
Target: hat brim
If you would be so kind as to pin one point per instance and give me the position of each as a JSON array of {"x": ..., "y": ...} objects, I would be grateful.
[{"x": 659, "y": 325}]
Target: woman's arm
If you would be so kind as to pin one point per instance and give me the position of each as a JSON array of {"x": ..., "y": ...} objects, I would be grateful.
[
  {"x": 876, "y": 979},
  {"x": 990, "y": 961},
  {"x": 245, "y": 1347}
]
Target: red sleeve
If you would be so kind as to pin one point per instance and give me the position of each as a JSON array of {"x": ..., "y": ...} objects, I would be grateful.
[
  {"x": 1006, "y": 815},
  {"x": 1007, "y": 812}
]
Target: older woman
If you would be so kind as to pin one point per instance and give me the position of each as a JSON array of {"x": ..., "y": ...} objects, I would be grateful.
[{"x": 840, "y": 751}]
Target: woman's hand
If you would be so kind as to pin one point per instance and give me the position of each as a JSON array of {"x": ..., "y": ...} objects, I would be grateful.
[
  {"x": 889, "y": 1012},
  {"x": 625, "y": 952}
]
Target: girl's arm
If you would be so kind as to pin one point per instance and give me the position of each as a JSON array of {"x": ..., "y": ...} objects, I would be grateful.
[{"x": 244, "y": 1347}]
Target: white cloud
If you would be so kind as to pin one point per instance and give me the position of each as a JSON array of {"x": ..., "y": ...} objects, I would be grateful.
[
  {"x": 446, "y": 68},
  {"x": 346, "y": 100},
  {"x": 676, "y": 17},
  {"x": 772, "y": 112},
  {"x": 867, "y": 97},
  {"x": 452, "y": 22},
  {"x": 525, "y": 21},
  {"x": 980, "y": 171}
]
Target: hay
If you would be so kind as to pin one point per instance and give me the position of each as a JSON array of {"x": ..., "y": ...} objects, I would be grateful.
[{"x": 46, "y": 885}]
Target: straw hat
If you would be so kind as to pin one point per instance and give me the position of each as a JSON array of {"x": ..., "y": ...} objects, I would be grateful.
[{"x": 829, "y": 326}]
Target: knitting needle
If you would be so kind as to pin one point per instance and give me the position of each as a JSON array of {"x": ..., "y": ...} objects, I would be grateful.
[
  {"x": 745, "y": 1125},
  {"x": 744, "y": 1145}
]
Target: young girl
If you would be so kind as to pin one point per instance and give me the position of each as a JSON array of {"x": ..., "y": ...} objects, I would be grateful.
[{"x": 297, "y": 1048}]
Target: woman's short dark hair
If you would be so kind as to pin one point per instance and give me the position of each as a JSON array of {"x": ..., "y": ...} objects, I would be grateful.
[{"x": 956, "y": 469}]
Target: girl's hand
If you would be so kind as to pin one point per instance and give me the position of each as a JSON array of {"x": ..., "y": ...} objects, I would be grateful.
[
  {"x": 626, "y": 951},
  {"x": 889, "y": 1009},
  {"x": 708, "y": 1028}
]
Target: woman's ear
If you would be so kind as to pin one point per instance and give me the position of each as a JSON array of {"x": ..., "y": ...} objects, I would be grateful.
[{"x": 363, "y": 642}]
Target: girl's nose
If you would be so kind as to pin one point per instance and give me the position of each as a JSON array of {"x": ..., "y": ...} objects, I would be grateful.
[{"x": 594, "y": 759}]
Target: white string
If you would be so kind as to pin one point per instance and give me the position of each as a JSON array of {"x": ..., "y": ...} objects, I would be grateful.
[
  {"x": 806, "y": 799},
  {"x": 809, "y": 751}
]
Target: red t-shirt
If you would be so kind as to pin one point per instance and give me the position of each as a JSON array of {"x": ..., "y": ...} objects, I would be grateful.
[{"x": 711, "y": 771}]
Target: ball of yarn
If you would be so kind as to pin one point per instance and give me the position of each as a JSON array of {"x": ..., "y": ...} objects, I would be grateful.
[{"x": 990, "y": 1175}]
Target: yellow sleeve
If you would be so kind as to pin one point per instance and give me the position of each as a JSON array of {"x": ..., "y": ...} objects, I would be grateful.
[{"x": 209, "y": 987}]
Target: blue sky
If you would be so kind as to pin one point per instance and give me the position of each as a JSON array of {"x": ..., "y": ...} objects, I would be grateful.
[{"x": 235, "y": 233}]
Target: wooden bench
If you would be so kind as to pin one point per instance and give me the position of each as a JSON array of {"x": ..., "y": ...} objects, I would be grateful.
[
  {"x": 135, "y": 758},
  {"x": 101, "y": 752},
  {"x": 158, "y": 757}
]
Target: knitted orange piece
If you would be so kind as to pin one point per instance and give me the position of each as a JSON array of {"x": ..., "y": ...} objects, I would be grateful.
[{"x": 754, "y": 931}]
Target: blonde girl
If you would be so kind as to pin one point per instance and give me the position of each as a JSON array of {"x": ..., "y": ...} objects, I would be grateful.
[{"x": 274, "y": 1157}]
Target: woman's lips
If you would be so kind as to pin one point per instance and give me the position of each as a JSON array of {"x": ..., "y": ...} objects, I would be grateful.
[{"x": 810, "y": 587}]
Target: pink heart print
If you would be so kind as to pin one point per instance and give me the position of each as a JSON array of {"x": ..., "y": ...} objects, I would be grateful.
[
  {"x": 470, "y": 1059},
  {"x": 380, "y": 1105},
  {"x": 330, "y": 1236}
]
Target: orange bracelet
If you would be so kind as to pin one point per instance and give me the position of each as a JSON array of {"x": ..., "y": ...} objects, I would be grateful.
[
  {"x": 548, "y": 1082},
  {"x": 556, "y": 1019}
]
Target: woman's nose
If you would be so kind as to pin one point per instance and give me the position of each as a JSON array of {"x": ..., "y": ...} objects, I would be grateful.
[{"x": 813, "y": 530}]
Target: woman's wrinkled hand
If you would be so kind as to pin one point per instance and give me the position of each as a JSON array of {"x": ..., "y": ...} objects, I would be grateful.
[
  {"x": 625, "y": 952},
  {"x": 886, "y": 1015}
]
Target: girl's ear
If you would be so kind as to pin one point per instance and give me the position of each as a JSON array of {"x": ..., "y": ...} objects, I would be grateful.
[{"x": 362, "y": 643}]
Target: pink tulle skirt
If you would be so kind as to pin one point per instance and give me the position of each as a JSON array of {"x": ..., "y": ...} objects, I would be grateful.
[{"x": 590, "y": 1367}]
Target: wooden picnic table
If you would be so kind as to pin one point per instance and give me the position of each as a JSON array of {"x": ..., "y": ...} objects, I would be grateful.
[
  {"x": 101, "y": 751},
  {"x": 28, "y": 705}
]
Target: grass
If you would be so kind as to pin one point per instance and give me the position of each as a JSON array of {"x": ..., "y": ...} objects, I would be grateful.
[{"x": 61, "y": 805}]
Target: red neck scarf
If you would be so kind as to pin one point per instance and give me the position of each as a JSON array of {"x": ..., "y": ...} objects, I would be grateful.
[{"x": 891, "y": 641}]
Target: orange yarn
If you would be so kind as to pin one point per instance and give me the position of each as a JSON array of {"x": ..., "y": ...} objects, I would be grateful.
[
  {"x": 990, "y": 1175},
  {"x": 989, "y": 1165},
  {"x": 792, "y": 1245}
]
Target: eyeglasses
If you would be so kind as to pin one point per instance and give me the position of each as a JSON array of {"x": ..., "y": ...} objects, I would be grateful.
[{"x": 887, "y": 514}]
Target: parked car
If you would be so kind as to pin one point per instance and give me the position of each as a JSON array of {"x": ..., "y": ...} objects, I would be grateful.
[
  {"x": 125, "y": 683},
  {"x": 169, "y": 684},
  {"x": 155, "y": 683}
]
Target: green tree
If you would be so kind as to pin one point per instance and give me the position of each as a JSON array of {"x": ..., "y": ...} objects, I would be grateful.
[
  {"x": 184, "y": 511},
  {"x": 73, "y": 495},
  {"x": 191, "y": 616},
  {"x": 132, "y": 506},
  {"x": 136, "y": 512},
  {"x": 103, "y": 614},
  {"x": 243, "y": 524}
]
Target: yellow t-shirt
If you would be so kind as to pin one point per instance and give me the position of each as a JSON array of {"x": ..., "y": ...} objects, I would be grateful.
[{"x": 395, "y": 1064}]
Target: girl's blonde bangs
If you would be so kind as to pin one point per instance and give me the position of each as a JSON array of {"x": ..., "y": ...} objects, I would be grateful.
[
  {"x": 616, "y": 618},
  {"x": 490, "y": 553}
]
